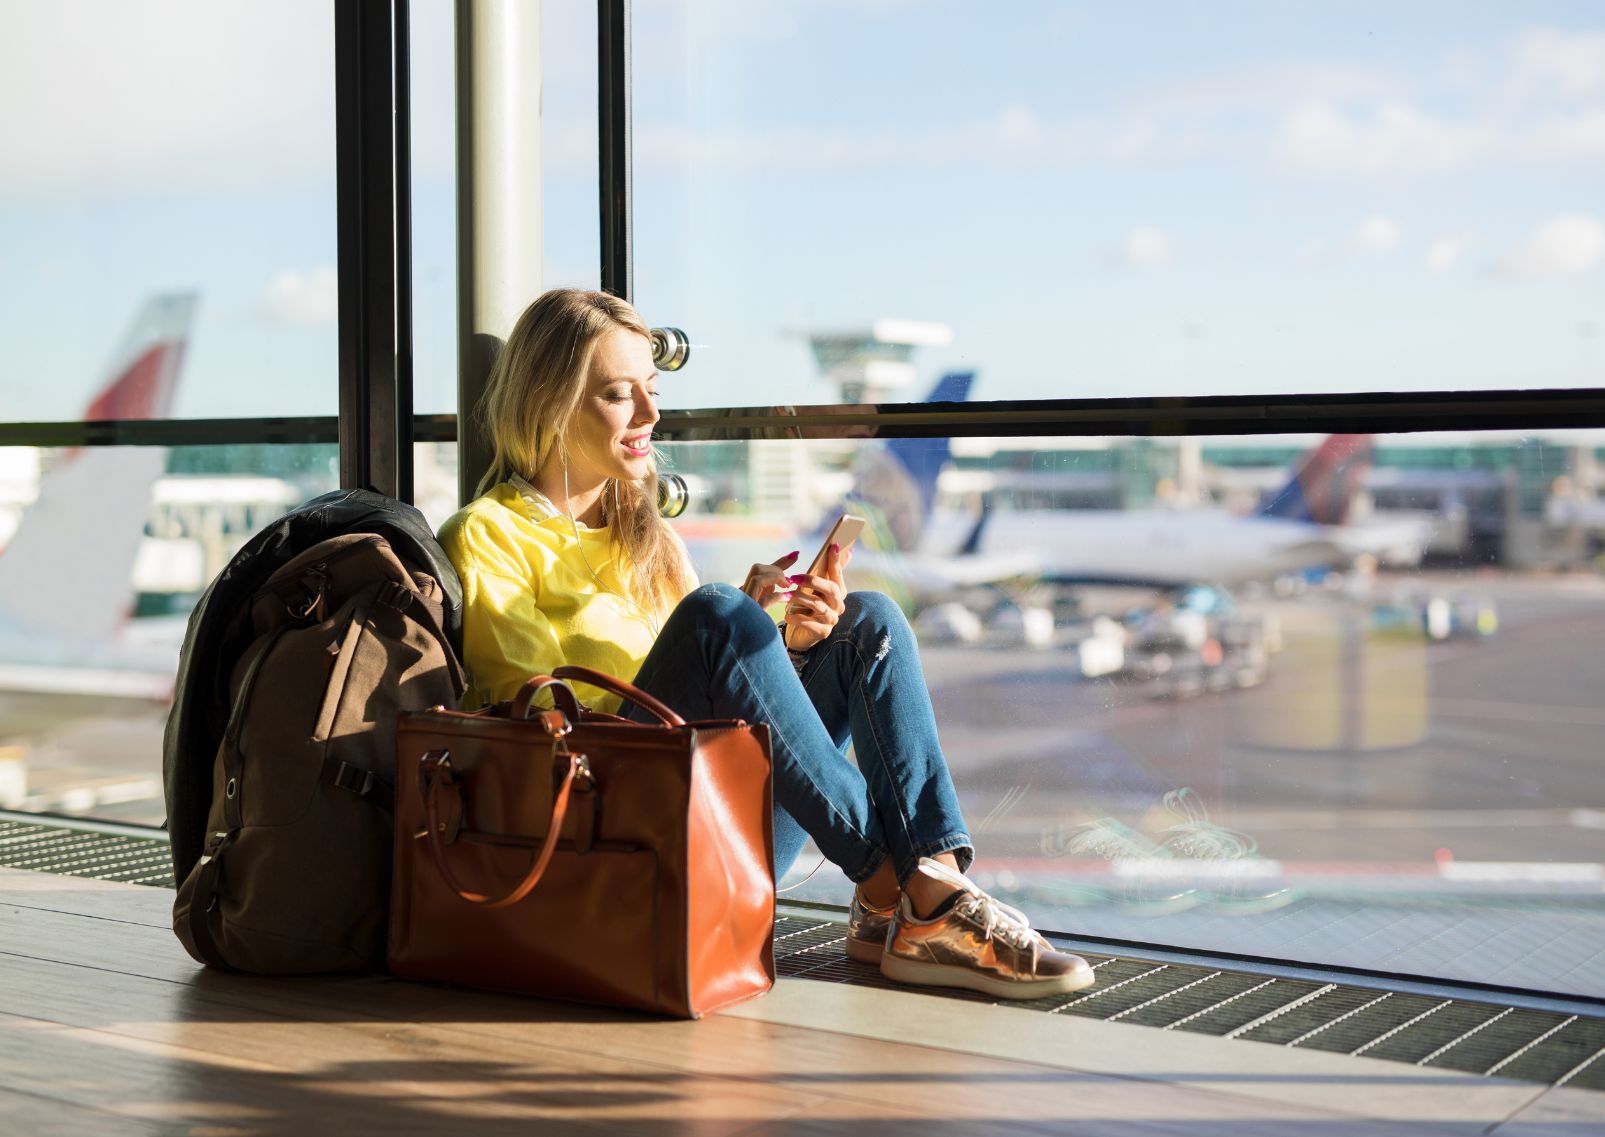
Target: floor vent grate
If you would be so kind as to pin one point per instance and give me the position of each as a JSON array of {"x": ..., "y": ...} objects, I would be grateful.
[
  {"x": 1457, "y": 1034},
  {"x": 83, "y": 852}
]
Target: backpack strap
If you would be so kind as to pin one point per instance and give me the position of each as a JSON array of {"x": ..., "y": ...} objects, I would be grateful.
[
  {"x": 431, "y": 614},
  {"x": 209, "y": 869},
  {"x": 230, "y": 749},
  {"x": 204, "y": 899}
]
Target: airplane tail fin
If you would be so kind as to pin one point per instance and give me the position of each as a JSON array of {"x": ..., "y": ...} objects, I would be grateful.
[
  {"x": 924, "y": 458},
  {"x": 144, "y": 372},
  {"x": 899, "y": 480},
  {"x": 66, "y": 575},
  {"x": 1324, "y": 482}
]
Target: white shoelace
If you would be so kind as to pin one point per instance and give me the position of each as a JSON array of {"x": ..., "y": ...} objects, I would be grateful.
[
  {"x": 992, "y": 916},
  {"x": 997, "y": 920}
]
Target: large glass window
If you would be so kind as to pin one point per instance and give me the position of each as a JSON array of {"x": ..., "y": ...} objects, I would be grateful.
[
  {"x": 162, "y": 148},
  {"x": 1099, "y": 200},
  {"x": 1327, "y": 699},
  {"x": 1330, "y": 699}
]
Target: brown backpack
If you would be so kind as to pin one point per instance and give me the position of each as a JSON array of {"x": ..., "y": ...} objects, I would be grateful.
[{"x": 295, "y": 875}]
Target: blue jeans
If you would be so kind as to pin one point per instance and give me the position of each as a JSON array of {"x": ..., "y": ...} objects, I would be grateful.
[{"x": 720, "y": 656}]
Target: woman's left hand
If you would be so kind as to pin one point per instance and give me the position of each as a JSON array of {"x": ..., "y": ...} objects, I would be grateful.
[{"x": 818, "y": 603}]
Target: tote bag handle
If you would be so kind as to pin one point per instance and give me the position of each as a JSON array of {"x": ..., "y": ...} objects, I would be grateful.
[
  {"x": 624, "y": 690},
  {"x": 562, "y": 698},
  {"x": 437, "y": 778},
  {"x": 563, "y": 695}
]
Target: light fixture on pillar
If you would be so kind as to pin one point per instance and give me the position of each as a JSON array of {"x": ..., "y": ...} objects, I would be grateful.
[
  {"x": 670, "y": 349},
  {"x": 673, "y": 495}
]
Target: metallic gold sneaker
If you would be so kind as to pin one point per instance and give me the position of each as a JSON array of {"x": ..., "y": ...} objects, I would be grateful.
[
  {"x": 977, "y": 943},
  {"x": 866, "y": 929}
]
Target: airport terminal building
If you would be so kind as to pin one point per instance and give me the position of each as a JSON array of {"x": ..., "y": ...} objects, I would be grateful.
[{"x": 1221, "y": 389}]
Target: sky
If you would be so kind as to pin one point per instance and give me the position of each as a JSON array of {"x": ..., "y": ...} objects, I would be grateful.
[{"x": 1099, "y": 199}]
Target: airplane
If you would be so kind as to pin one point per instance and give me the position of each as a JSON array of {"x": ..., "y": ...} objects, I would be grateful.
[
  {"x": 65, "y": 594},
  {"x": 1305, "y": 524},
  {"x": 922, "y": 554}
]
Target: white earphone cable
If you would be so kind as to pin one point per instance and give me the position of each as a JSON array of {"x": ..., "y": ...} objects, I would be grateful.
[{"x": 568, "y": 510}]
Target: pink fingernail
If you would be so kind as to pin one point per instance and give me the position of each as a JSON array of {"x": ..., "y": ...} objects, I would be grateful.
[
  {"x": 835, "y": 548},
  {"x": 795, "y": 579},
  {"x": 793, "y": 553}
]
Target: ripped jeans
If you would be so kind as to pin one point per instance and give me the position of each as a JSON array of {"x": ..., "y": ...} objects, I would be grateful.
[{"x": 719, "y": 656}]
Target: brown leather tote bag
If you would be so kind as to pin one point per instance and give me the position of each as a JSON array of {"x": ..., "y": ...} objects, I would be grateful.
[{"x": 575, "y": 855}]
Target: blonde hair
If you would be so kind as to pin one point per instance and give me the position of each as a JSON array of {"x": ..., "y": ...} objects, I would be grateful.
[{"x": 533, "y": 392}]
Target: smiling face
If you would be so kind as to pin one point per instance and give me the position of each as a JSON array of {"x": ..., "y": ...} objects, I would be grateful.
[{"x": 610, "y": 435}]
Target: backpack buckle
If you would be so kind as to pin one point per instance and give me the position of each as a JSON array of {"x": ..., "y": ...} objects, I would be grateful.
[
  {"x": 216, "y": 842},
  {"x": 365, "y": 784},
  {"x": 315, "y": 581},
  {"x": 353, "y": 778},
  {"x": 393, "y": 594}
]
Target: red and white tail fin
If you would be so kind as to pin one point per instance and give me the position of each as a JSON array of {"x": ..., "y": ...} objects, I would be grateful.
[
  {"x": 144, "y": 372},
  {"x": 1324, "y": 482},
  {"x": 66, "y": 577}
]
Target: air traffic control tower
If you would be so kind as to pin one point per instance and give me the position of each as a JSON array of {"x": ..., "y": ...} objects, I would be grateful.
[{"x": 874, "y": 365}]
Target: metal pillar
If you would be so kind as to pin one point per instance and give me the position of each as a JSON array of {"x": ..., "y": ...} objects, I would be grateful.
[
  {"x": 372, "y": 122},
  {"x": 499, "y": 210},
  {"x": 613, "y": 138}
]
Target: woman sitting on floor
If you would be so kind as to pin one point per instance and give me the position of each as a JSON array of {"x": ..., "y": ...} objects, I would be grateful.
[{"x": 565, "y": 560}]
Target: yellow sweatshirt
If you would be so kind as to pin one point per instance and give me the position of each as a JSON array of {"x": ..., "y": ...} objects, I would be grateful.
[{"x": 532, "y": 603}]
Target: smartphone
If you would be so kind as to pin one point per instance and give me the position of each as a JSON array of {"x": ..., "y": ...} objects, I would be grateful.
[{"x": 843, "y": 533}]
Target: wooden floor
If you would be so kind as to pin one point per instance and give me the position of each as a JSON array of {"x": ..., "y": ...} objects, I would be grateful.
[{"x": 106, "y": 1026}]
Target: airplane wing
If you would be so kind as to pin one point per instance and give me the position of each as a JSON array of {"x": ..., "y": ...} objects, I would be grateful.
[{"x": 1401, "y": 542}]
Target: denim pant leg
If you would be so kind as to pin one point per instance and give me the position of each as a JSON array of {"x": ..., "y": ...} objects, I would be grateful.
[
  {"x": 866, "y": 682},
  {"x": 719, "y": 656}
]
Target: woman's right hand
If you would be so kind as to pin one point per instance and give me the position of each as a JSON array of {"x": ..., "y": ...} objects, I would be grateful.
[{"x": 768, "y": 583}]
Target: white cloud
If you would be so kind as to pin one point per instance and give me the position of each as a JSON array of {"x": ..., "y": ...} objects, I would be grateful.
[
  {"x": 1313, "y": 252},
  {"x": 244, "y": 97},
  {"x": 1376, "y": 234},
  {"x": 167, "y": 94},
  {"x": 1012, "y": 136},
  {"x": 1392, "y": 137},
  {"x": 1566, "y": 245},
  {"x": 1263, "y": 87},
  {"x": 1581, "y": 135},
  {"x": 1444, "y": 253},
  {"x": 1018, "y": 126},
  {"x": 1558, "y": 62},
  {"x": 303, "y": 298},
  {"x": 1146, "y": 247},
  {"x": 1539, "y": 99}
]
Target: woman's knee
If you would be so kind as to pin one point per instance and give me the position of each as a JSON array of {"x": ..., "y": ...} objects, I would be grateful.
[
  {"x": 876, "y": 615},
  {"x": 731, "y": 611}
]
